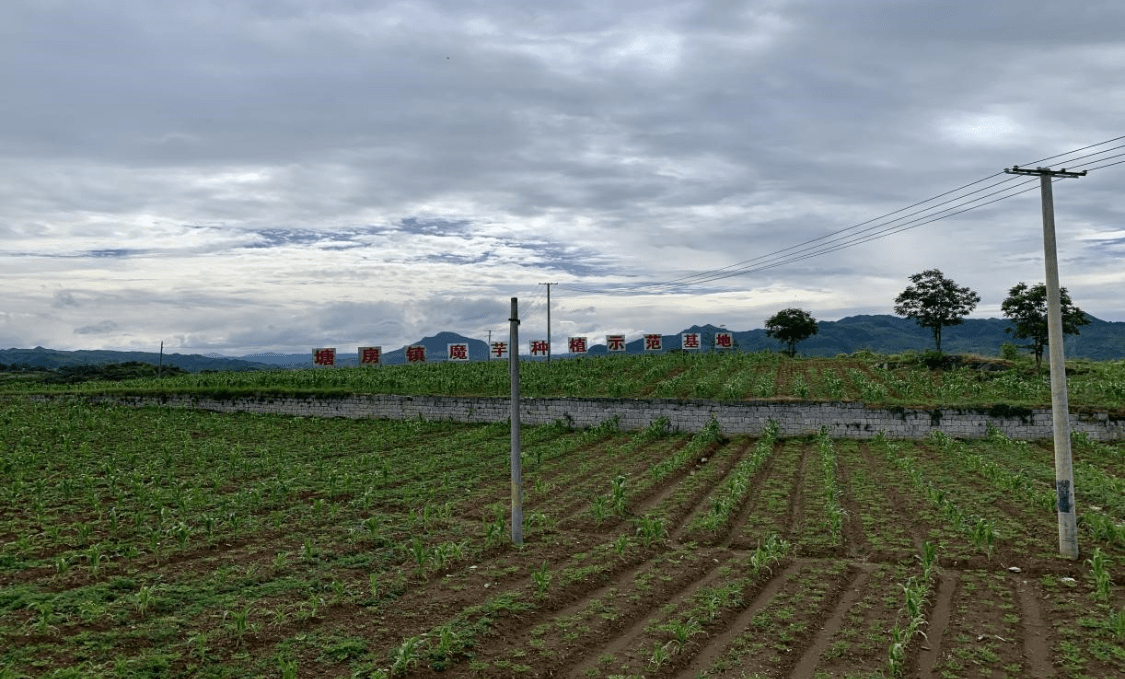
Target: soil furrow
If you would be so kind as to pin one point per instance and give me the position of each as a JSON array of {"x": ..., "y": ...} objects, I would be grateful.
[
  {"x": 854, "y": 539},
  {"x": 623, "y": 640},
  {"x": 1036, "y": 634},
  {"x": 931, "y": 649},
  {"x": 811, "y": 657},
  {"x": 796, "y": 497},
  {"x": 717, "y": 646},
  {"x": 702, "y": 500},
  {"x": 752, "y": 498}
]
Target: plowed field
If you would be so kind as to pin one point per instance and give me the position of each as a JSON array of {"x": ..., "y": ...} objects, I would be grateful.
[{"x": 173, "y": 543}]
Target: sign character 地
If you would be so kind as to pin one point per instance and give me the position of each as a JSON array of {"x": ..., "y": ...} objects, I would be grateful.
[
  {"x": 458, "y": 352},
  {"x": 539, "y": 347},
  {"x": 324, "y": 356},
  {"x": 615, "y": 342},
  {"x": 724, "y": 340},
  {"x": 654, "y": 342},
  {"x": 577, "y": 345},
  {"x": 370, "y": 355},
  {"x": 416, "y": 354},
  {"x": 499, "y": 350}
]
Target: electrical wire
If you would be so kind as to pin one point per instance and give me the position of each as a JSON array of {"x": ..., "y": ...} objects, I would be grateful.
[{"x": 836, "y": 240}]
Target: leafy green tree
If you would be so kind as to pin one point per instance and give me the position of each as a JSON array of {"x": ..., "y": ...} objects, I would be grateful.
[
  {"x": 935, "y": 302},
  {"x": 1026, "y": 307},
  {"x": 791, "y": 326}
]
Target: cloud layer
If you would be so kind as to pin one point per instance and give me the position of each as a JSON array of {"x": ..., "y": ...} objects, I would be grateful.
[{"x": 269, "y": 176}]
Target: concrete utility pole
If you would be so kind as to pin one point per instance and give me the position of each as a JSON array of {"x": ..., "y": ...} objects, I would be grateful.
[
  {"x": 517, "y": 472},
  {"x": 548, "y": 320},
  {"x": 489, "y": 345},
  {"x": 1060, "y": 407}
]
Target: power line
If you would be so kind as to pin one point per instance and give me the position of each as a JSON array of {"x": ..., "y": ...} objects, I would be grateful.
[{"x": 838, "y": 241}]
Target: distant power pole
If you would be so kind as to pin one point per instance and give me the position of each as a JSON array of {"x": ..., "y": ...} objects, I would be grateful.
[
  {"x": 1060, "y": 407},
  {"x": 548, "y": 320},
  {"x": 490, "y": 345}
]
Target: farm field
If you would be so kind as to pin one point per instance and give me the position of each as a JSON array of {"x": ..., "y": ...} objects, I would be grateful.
[
  {"x": 173, "y": 543},
  {"x": 878, "y": 381}
]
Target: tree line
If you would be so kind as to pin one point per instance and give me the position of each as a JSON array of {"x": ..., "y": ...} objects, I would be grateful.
[{"x": 935, "y": 302}]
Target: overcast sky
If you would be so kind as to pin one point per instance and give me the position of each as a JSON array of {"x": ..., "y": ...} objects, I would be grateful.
[{"x": 240, "y": 176}]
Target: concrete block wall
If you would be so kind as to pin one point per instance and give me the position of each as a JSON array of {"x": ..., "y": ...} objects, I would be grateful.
[{"x": 842, "y": 419}]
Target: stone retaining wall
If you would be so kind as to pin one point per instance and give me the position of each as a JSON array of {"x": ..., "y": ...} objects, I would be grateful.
[{"x": 843, "y": 419}]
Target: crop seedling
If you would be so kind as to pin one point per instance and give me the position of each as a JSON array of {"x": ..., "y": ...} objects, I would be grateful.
[
  {"x": 288, "y": 668},
  {"x": 94, "y": 556},
  {"x": 542, "y": 578},
  {"x": 420, "y": 554},
  {"x": 406, "y": 655},
  {"x": 1116, "y": 623},
  {"x": 651, "y": 530},
  {"x": 683, "y": 631},
  {"x": 1100, "y": 573},
  {"x": 618, "y": 495},
  {"x": 145, "y": 600},
  {"x": 620, "y": 544},
  {"x": 240, "y": 620}
]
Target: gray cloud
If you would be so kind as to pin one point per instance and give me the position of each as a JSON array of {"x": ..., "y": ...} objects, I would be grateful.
[
  {"x": 103, "y": 328},
  {"x": 275, "y": 162}
]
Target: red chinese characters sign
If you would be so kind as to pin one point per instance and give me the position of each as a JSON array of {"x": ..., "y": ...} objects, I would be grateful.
[
  {"x": 654, "y": 342},
  {"x": 615, "y": 342},
  {"x": 458, "y": 352},
  {"x": 540, "y": 348},
  {"x": 498, "y": 350},
  {"x": 724, "y": 340},
  {"x": 416, "y": 353},
  {"x": 689, "y": 340},
  {"x": 324, "y": 356},
  {"x": 577, "y": 345},
  {"x": 370, "y": 355}
]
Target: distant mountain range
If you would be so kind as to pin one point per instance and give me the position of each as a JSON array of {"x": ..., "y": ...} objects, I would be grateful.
[
  {"x": 51, "y": 359},
  {"x": 1101, "y": 340}
]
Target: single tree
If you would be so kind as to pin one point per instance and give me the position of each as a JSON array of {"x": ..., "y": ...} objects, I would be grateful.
[
  {"x": 791, "y": 326},
  {"x": 935, "y": 302},
  {"x": 1026, "y": 306}
]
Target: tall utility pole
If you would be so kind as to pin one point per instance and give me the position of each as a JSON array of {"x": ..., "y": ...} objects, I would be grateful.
[
  {"x": 548, "y": 320},
  {"x": 489, "y": 345},
  {"x": 1060, "y": 407},
  {"x": 517, "y": 469}
]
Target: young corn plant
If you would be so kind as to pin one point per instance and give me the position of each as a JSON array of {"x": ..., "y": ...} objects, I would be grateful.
[
  {"x": 1100, "y": 573},
  {"x": 1116, "y": 623},
  {"x": 145, "y": 600},
  {"x": 542, "y": 578},
  {"x": 833, "y": 509},
  {"x": 683, "y": 631},
  {"x": 617, "y": 499},
  {"x": 651, "y": 530},
  {"x": 421, "y": 555},
  {"x": 407, "y": 655},
  {"x": 599, "y": 508},
  {"x": 660, "y": 654}
]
